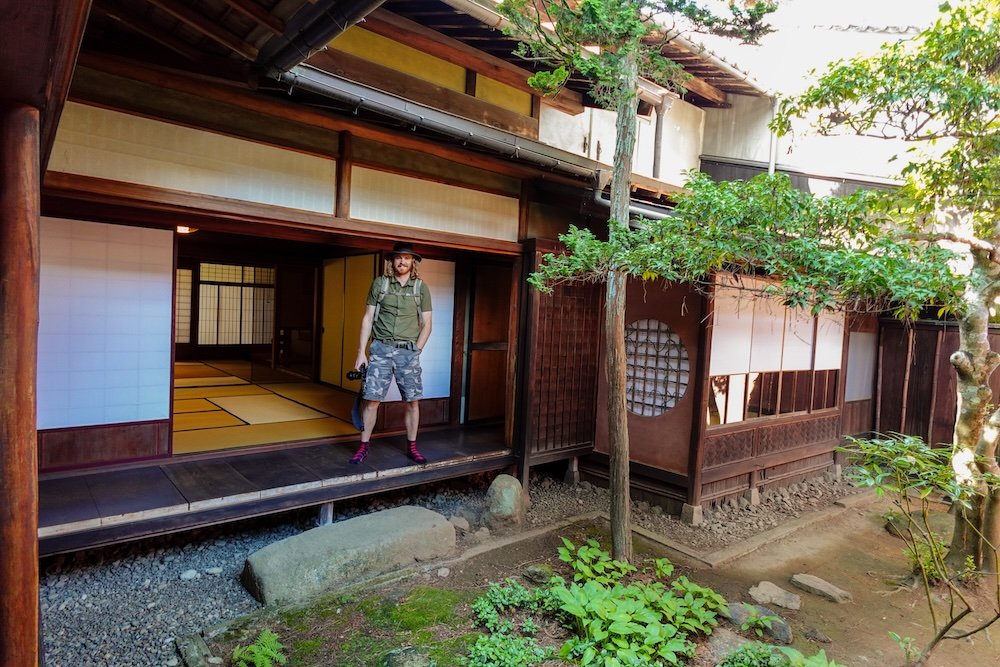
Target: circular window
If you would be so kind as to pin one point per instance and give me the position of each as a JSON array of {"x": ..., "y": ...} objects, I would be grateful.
[{"x": 657, "y": 370}]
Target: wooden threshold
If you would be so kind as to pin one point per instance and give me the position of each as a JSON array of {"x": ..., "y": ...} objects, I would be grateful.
[{"x": 101, "y": 508}]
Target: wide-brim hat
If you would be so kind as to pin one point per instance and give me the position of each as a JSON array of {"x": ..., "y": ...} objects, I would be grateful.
[{"x": 404, "y": 248}]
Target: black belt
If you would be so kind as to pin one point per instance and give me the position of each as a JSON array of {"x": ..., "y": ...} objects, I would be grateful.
[{"x": 401, "y": 344}]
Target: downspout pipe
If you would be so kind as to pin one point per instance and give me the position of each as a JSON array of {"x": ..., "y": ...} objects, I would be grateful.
[
  {"x": 327, "y": 20},
  {"x": 772, "y": 146},
  {"x": 661, "y": 111}
]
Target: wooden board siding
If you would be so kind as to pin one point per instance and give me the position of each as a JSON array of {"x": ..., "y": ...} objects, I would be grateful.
[
  {"x": 916, "y": 381},
  {"x": 107, "y": 443},
  {"x": 859, "y": 417},
  {"x": 561, "y": 362},
  {"x": 758, "y": 453}
]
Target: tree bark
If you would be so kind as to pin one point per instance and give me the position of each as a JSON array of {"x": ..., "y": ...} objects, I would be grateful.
[
  {"x": 19, "y": 209},
  {"x": 974, "y": 363},
  {"x": 614, "y": 314}
]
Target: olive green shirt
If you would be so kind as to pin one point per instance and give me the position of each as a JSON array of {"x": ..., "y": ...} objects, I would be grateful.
[{"x": 398, "y": 318}]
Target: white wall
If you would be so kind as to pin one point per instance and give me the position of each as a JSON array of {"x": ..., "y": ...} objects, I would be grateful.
[
  {"x": 412, "y": 202},
  {"x": 592, "y": 134},
  {"x": 105, "y": 308},
  {"x": 435, "y": 359},
  {"x": 122, "y": 147},
  {"x": 862, "y": 358}
]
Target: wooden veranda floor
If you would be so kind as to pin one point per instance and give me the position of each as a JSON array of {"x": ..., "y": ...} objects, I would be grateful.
[{"x": 92, "y": 509}]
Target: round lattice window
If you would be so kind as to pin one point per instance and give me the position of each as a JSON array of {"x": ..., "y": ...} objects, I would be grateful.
[{"x": 657, "y": 369}]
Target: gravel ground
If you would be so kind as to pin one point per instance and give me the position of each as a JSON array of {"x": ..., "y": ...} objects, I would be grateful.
[{"x": 123, "y": 606}]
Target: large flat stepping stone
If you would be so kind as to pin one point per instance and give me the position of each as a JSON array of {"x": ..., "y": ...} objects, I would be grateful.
[
  {"x": 769, "y": 593},
  {"x": 318, "y": 560}
]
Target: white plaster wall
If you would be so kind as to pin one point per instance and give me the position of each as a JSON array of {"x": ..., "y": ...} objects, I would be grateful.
[
  {"x": 741, "y": 133},
  {"x": 592, "y": 134},
  {"x": 435, "y": 359},
  {"x": 412, "y": 202},
  {"x": 105, "y": 309},
  {"x": 862, "y": 351},
  {"x": 122, "y": 147}
]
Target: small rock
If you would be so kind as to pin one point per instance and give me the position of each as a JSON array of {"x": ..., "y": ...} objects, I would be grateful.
[
  {"x": 779, "y": 630},
  {"x": 214, "y": 571},
  {"x": 173, "y": 662},
  {"x": 188, "y": 575},
  {"x": 815, "y": 636},
  {"x": 768, "y": 593},
  {"x": 586, "y": 486},
  {"x": 813, "y": 584},
  {"x": 539, "y": 574},
  {"x": 407, "y": 656},
  {"x": 506, "y": 503},
  {"x": 443, "y": 572},
  {"x": 215, "y": 660},
  {"x": 460, "y": 523}
]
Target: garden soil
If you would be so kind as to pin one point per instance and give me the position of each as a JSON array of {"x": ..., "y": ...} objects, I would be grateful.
[{"x": 849, "y": 547}]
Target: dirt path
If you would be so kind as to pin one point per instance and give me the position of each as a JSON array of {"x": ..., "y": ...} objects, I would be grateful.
[{"x": 854, "y": 552}]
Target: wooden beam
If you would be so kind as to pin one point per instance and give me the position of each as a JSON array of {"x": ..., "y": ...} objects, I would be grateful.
[
  {"x": 148, "y": 29},
  {"x": 208, "y": 28},
  {"x": 706, "y": 91},
  {"x": 290, "y": 112},
  {"x": 345, "y": 165},
  {"x": 397, "y": 83},
  {"x": 259, "y": 15},
  {"x": 19, "y": 210},
  {"x": 436, "y": 44}
]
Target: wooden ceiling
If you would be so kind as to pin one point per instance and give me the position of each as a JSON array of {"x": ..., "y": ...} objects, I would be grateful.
[{"x": 236, "y": 39}]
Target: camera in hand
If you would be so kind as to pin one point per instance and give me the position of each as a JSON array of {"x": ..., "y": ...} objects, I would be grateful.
[{"x": 357, "y": 375}]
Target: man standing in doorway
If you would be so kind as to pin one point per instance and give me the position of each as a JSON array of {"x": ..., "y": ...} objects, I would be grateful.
[{"x": 398, "y": 320}]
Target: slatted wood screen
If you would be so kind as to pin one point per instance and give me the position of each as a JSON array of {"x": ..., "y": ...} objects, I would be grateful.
[{"x": 562, "y": 345}]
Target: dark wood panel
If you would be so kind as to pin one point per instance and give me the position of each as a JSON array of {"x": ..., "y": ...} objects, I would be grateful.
[
  {"x": 893, "y": 362},
  {"x": 491, "y": 304},
  {"x": 858, "y": 417},
  {"x": 111, "y": 443},
  {"x": 487, "y": 380},
  {"x": 204, "y": 480},
  {"x": 433, "y": 411},
  {"x": 132, "y": 490},
  {"x": 920, "y": 387}
]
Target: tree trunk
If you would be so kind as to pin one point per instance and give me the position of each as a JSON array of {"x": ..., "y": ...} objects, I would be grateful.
[
  {"x": 974, "y": 363},
  {"x": 614, "y": 315}
]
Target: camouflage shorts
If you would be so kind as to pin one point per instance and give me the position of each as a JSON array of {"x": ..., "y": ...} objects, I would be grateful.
[{"x": 386, "y": 362}]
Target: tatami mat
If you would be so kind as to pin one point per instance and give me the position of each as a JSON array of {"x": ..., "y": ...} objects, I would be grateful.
[
  {"x": 210, "y": 392},
  {"x": 208, "y": 381},
  {"x": 203, "y": 440},
  {"x": 189, "y": 421},
  {"x": 334, "y": 402},
  {"x": 265, "y": 409},
  {"x": 238, "y": 368},
  {"x": 193, "y": 405},
  {"x": 196, "y": 370}
]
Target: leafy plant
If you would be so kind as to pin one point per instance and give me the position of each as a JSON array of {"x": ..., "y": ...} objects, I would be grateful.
[
  {"x": 907, "y": 645},
  {"x": 796, "y": 658},
  {"x": 505, "y": 650},
  {"x": 264, "y": 652},
  {"x": 591, "y": 563},
  {"x": 624, "y": 623},
  {"x": 755, "y": 621},
  {"x": 753, "y": 654}
]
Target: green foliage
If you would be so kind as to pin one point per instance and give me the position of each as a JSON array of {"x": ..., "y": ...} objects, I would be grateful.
[
  {"x": 755, "y": 621},
  {"x": 638, "y": 623},
  {"x": 591, "y": 563},
  {"x": 507, "y": 645},
  {"x": 264, "y": 652},
  {"x": 827, "y": 252},
  {"x": 940, "y": 90},
  {"x": 907, "y": 645},
  {"x": 753, "y": 654},
  {"x": 505, "y": 650},
  {"x": 796, "y": 658}
]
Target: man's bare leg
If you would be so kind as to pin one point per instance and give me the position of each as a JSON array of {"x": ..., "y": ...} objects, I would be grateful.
[
  {"x": 368, "y": 414},
  {"x": 412, "y": 420}
]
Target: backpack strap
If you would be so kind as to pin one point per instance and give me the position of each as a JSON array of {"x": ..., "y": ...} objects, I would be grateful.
[
  {"x": 381, "y": 295},
  {"x": 417, "y": 285}
]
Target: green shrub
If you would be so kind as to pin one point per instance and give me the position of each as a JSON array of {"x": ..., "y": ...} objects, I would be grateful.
[
  {"x": 753, "y": 654},
  {"x": 264, "y": 652}
]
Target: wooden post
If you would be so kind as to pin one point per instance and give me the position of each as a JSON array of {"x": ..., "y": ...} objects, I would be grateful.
[{"x": 19, "y": 209}]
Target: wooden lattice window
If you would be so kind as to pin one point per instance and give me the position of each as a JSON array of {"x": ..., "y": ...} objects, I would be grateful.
[{"x": 657, "y": 368}]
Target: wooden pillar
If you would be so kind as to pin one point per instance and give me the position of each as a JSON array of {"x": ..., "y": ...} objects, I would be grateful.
[{"x": 19, "y": 207}]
